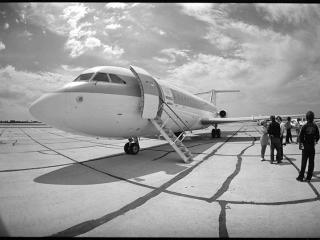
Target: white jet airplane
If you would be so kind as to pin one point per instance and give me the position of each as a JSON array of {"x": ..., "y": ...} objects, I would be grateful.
[{"x": 108, "y": 101}]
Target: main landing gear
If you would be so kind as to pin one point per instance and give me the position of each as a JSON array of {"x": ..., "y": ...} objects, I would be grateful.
[
  {"x": 216, "y": 132},
  {"x": 132, "y": 147}
]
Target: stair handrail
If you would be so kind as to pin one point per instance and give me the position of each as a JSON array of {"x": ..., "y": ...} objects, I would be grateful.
[
  {"x": 173, "y": 121},
  {"x": 174, "y": 114}
]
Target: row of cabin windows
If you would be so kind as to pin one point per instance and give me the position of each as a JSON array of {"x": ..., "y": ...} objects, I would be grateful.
[
  {"x": 101, "y": 77},
  {"x": 186, "y": 99}
]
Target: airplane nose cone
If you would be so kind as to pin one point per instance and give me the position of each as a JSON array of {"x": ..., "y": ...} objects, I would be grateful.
[{"x": 50, "y": 109}]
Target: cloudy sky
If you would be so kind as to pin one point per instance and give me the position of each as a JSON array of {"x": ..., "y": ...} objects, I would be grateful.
[{"x": 270, "y": 52}]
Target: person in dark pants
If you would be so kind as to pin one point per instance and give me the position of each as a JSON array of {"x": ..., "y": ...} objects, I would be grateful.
[
  {"x": 309, "y": 136},
  {"x": 288, "y": 127},
  {"x": 274, "y": 134},
  {"x": 282, "y": 129}
]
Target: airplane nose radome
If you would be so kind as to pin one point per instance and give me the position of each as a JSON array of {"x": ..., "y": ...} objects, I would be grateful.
[{"x": 50, "y": 109}]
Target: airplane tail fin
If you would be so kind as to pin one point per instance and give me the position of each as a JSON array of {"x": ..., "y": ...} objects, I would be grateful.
[{"x": 213, "y": 96}]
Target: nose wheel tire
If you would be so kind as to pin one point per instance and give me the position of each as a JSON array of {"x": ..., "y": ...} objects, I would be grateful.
[{"x": 134, "y": 148}]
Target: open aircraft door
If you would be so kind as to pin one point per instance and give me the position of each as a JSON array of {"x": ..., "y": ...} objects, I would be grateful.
[{"x": 150, "y": 93}]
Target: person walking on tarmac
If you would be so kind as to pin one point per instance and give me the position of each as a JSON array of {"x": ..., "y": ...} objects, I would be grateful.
[
  {"x": 288, "y": 127},
  {"x": 282, "y": 130},
  {"x": 274, "y": 134},
  {"x": 298, "y": 129},
  {"x": 264, "y": 139},
  {"x": 309, "y": 137}
]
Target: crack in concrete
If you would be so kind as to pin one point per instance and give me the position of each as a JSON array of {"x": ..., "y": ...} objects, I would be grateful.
[
  {"x": 223, "y": 231},
  {"x": 163, "y": 156}
]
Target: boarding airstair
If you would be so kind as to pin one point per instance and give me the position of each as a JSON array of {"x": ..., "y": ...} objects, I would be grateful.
[
  {"x": 172, "y": 139},
  {"x": 151, "y": 108}
]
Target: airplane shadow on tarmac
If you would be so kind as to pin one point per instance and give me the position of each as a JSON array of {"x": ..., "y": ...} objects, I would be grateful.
[
  {"x": 132, "y": 167},
  {"x": 3, "y": 229}
]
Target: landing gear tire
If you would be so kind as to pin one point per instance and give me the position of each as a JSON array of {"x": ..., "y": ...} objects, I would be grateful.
[
  {"x": 213, "y": 133},
  {"x": 134, "y": 148},
  {"x": 126, "y": 148},
  {"x": 218, "y": 133}
]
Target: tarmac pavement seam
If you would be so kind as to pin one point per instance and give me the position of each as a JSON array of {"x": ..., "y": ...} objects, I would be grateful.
[{"x": 2, "y": 131}]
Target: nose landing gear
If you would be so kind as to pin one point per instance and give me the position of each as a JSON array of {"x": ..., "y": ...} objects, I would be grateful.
[{"x": 132, "y": 147}]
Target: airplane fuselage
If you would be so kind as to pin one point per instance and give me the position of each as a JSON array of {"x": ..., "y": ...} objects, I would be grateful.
[{"x": 112, "y": 108}]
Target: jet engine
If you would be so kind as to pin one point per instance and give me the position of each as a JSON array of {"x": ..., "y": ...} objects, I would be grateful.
[{"x": 222, "y": 114}]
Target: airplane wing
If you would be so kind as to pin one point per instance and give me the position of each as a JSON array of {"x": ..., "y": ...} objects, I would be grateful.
[{"x": 208, "y": 121}]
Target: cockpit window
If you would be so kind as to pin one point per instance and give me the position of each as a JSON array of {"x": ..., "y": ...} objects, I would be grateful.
[
  {"x": 84, "y": 77},
  {"x": 101, "y": 77},
  {"x": 116, "y": 79}
]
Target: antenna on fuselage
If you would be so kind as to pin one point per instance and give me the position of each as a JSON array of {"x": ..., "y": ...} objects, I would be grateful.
[{"x": 213, "y": 95}]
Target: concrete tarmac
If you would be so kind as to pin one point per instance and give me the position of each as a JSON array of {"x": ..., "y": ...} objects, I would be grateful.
[{"x": 54, "y": 183}]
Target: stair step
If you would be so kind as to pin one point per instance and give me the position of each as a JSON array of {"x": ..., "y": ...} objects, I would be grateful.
[
  {"x": 189, "y": 159},
  {"x": 182, "y": 148},
  {"x": 176, "y": 143},
  {"x": 166, "y": 130},
  {"x": 187, "y": 153}
]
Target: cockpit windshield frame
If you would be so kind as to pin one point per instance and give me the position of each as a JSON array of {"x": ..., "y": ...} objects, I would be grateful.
[
  {"x": 108, "y": 78},
  {"x": 84, "y": 77},
  {"x": 112, "y": 78}
]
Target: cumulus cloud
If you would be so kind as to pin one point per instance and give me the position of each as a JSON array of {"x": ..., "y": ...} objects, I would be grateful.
[
  {"x": 6, "y": 26},
  {"x": 75, "y": 20},
  {"x": 272, "y": 56},
  {"x": 116, "y": 5},
  {"x": 290, "y": 13},
  {"x": 7, "y": 93},
  {"x": 172, "y": 55},
  {"x": 208, "y": 12},
  {"x": 74, "y": 13},
  {"x": 92, "y": 42},
  {"x": 72, "y": 69},
  {"x": 47, "y": 15},
  {"x": 111, "y": 52},
  {"x": 31, "y": 83},
  {"x": 162, "y": 60},
  {"x": 158, "y": 31},
  {"x": 113, "y": 26},
  {"x": 19, "y": 89},
  {"x": 2, "y": 46},
  {"x": 210, "y": 70}
]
